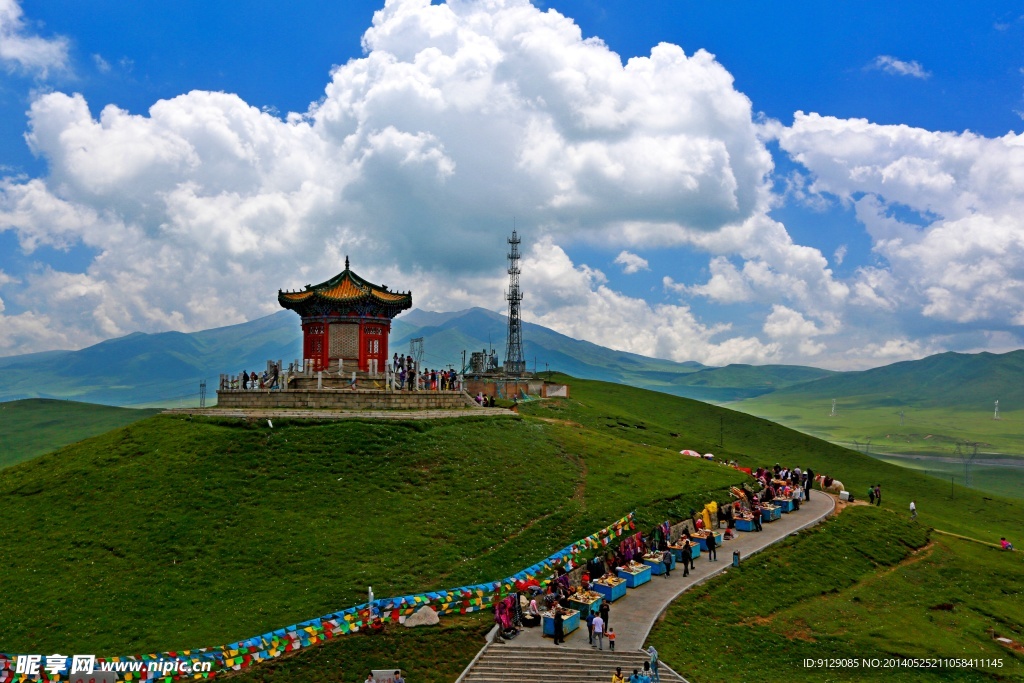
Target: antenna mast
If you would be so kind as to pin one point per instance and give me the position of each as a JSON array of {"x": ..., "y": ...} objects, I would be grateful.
[{"x": 514, "y": 361}]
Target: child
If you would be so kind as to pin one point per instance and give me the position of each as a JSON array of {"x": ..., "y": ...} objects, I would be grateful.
[
  {"x": 1003, "y": 543},
  {"x": 611, "y": 639}
]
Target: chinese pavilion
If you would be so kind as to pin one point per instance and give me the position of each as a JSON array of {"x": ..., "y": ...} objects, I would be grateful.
[{"x": 346, "y": 319}]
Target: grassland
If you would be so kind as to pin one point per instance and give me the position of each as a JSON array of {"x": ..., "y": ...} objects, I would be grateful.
[
  {"x": 200, "y": 531},
  {"x": 175, "y": 533},
  {"x": 436, "y": 655},
  {"x": 865, "y": 585},
  {"x": 32, "y": 427},
  {"x": 933, "y": 430},
  {"x": 1003, "y": 477}
]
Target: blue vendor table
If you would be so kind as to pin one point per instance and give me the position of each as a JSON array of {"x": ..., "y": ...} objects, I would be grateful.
[
  {"x": 677, "y": 551},
  {"x": 637, "y": 579},
  {"x": 745, "y": 525},
  {"x": 704, "y": 542},
  {"x": 785, "y": 504},
  {"x": 610, "y": 593},
  {"x": 570, "y": 622},
  {"x": 586, "y": 605},
  {"x": 657, "y": 565},
  {"x": 770, "y": 513}
]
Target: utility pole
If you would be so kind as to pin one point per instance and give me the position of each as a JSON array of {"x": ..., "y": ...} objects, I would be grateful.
[{"x": 202, "y": 394}]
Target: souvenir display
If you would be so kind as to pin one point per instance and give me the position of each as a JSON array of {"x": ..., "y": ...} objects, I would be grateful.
[
  {"x": 610, "y": 587},
  {"x": 570, "y": 621},
  {"x": 635, "y": 574}
]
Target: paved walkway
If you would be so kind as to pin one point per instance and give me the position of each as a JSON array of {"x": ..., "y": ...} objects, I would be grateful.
[
  {"x": 633, "y": 616},
  {"x": 280, "y": 413}
]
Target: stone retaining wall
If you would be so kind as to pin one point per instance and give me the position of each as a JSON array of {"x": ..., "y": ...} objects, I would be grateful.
[{"x": 342, "y": 399}]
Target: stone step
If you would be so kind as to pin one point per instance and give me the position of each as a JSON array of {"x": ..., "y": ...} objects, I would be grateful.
[{"x": 501, "y": 664}]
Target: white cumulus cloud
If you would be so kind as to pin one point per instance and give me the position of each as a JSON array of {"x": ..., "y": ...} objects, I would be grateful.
[
  {"x": 898, "y": 67},
  {"x": 942, "y": 209},
  {"x": 20, "y": 49},
  {"x": 631, "y": 263},
  {"x": 459, "y": 117}
]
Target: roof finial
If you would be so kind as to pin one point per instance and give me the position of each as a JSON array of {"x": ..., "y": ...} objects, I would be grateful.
[{"x": 346, "y": 261}]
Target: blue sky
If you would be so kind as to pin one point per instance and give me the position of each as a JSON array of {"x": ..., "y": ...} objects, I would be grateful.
[{"x": 680, "y": 208}]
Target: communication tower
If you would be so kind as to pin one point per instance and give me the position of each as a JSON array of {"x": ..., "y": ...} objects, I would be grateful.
[{"x": 515, "y": 364}]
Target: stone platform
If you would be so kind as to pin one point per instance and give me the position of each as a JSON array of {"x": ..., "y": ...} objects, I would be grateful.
[
  {"x": 281, "y": 413},
  {"x": 344, "y": 399}
]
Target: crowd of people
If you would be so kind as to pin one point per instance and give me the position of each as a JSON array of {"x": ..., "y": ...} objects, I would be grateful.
[
  {"x": 646, "y": 673},
  {"x": 250, "y": 381},
  {"x": 408, "y": 376}
]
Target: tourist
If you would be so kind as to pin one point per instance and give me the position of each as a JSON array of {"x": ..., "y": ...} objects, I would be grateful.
[
  {"x": 637, "y": 678},
  {"x": 878, "y": 494},
  {"x": 654, "y": 663},
  {"x": 605, "y": 610},
  {"x": 646, "y": 674},
  {"x": 756, "y": 510},
  {"x": 712, "y": 552},
  {"x": 370, "y": 678},
  {"x": 913, "y": 510},
  {"x": 590, "y": 626},
  {"x": 617, "y": 677},
  {"x": 598, "y": 626},
  {"x": 871, "y": 495},
  {"x": 532, "y": 617},
  {"x": 245, "y": 380},
  {"x": 1004, "y": 544},
  {"x": 611, "y": 634},
  {"x": 666, "y": 558},
  {"x": 808, "y": 483},
  {"x": 398, "y": 678},
  {"x": 559, "y": 632},
  {"x": 687, "y": 556}
]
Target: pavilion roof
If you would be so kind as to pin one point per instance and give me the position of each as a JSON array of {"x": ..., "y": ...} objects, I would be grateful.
[{"x": 344, "y": 290}]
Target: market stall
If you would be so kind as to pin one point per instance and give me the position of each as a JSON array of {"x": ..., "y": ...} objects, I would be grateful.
[
  {"x": 785, "y": 504},
  {"x": 745, "y": 523},
  {"x": 611, "y": 588},
  {"x": 585, "y": 601},
  {"x": 570, "y": 622},
  {"x": 701, "y": 537},
  {"x": 656, "y": 561},
  {"x": 678, "y": 549},
  {"x": 635, "y": 574},
  {"x": 770, "y": 512}
]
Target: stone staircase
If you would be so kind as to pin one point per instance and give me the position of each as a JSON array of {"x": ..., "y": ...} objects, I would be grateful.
[{"x": 507, "y": 664}]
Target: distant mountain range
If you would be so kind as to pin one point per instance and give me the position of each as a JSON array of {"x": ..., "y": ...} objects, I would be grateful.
[
  {"x": 166, "y": 368},
  {"x": 945, "y": 380}
]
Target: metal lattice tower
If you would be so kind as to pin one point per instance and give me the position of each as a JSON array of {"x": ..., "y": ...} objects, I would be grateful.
[
  {"x": 416, "y": 350},
  {"x": 515, "y": 364}
]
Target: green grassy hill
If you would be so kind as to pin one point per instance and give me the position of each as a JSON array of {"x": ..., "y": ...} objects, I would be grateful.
[
  {"x": 175, "y": 533},
  {"x": 35, "y": 426},
  {"x": 966, "y": 381}
]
